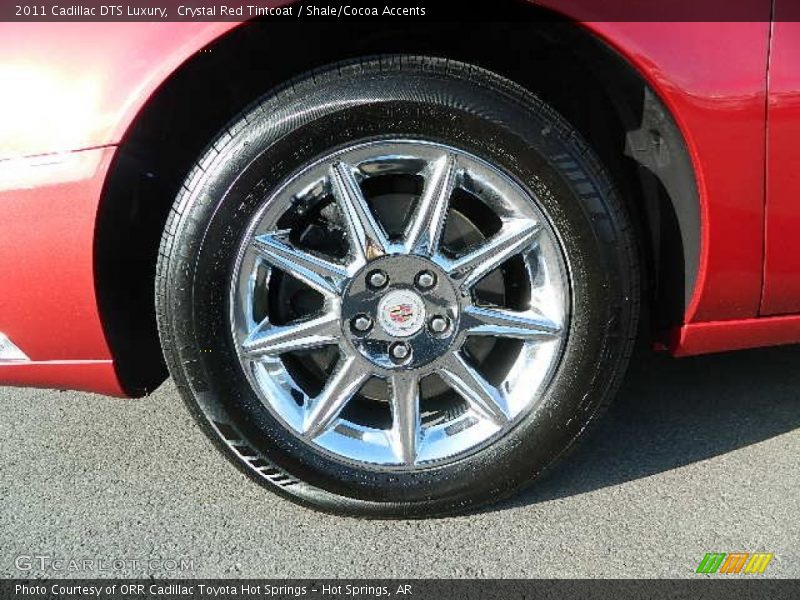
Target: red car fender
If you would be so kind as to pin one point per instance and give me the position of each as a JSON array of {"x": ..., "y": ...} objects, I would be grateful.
[
  {"x": 75, "y": 90},
  {"x": 80, "y": 85}
]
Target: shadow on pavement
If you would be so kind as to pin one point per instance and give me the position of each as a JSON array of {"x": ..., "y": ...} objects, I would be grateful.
[{"x": 673, "y": 412}]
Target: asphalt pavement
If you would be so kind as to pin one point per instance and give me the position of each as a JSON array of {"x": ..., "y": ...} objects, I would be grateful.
[{"x": 697, "y": 455}]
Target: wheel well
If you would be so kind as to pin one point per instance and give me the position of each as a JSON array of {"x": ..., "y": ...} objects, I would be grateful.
[{"x": 586, "y": 81}]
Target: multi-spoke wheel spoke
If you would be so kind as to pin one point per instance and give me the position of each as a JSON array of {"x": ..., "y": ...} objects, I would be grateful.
[
  {"x": 320, "y": 273},
  {"x": 268, "y": 340},
  {"x": 498, "y": 322},
  {"x": 482, "y": 397},
  {"x": 367, "y": 238},
  {"x": 515, "y": 237},
  {"x": 406, "y": 426},
  {"x": 344, "y": 382},
  {"x": 427, "y": 224}
]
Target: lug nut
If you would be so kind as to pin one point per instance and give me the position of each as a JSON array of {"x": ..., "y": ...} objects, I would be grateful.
[
  {"x": 399, "y": 351},
  {"x": 377, "y": 279},
  {"x": 426, "y": 280},
  {"x": 438, "y": 324},
  {"x": 362, "y": 323}
]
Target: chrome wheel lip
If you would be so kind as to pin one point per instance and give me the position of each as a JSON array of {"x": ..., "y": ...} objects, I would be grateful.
[{"x": 436, "y": 446}]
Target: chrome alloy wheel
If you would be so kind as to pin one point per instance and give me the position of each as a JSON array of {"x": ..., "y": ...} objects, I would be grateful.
[{"x": 399, "y": 304}]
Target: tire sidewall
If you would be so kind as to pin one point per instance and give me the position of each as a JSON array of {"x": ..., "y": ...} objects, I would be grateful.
[{"x": 292, "y": 129}]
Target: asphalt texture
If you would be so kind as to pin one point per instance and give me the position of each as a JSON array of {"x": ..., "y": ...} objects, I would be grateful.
[{"x": 696, "y": 455}]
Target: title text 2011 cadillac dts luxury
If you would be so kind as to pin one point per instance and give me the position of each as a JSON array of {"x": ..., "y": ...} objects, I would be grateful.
[{"x": 393, "y": 269}]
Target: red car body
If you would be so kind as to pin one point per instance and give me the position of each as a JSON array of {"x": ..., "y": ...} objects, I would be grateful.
[{"x": 732, "y": 88}]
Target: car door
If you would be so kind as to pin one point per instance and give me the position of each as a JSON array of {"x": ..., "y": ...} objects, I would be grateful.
[{"x": 781, "y": 294}]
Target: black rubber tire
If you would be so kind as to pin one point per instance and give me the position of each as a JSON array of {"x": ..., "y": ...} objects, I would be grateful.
[{"x": 385, "y": 97}]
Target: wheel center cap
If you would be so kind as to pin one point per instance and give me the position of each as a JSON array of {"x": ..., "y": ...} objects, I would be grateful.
[{"x": 401, "y": 313}]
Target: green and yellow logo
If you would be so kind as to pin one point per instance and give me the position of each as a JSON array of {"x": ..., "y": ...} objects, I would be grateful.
[{"x": 733, "y": 563}]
